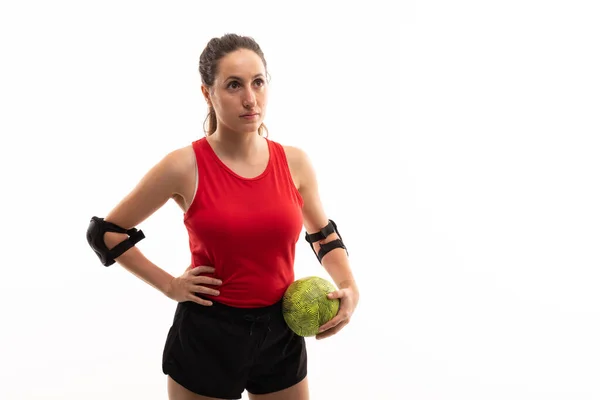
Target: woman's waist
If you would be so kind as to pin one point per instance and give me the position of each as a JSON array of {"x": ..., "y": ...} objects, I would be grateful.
[{"x": 250, "y": 293}]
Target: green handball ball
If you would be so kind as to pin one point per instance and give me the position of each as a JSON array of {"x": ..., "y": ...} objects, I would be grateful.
[{"x": 306, "y": 306}]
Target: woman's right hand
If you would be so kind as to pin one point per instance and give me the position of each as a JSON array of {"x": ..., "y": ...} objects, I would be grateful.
[{"x": 184, "y": 288}]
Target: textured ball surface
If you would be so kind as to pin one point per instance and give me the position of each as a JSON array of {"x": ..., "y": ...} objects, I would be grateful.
[{"x": 306, "y": 306}]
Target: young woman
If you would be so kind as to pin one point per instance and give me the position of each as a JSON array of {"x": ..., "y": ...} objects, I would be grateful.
[{"x": 245, "y": 200}]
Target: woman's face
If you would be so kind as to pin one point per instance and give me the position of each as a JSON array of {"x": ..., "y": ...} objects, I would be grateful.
[{"x": 239, "y": 92}]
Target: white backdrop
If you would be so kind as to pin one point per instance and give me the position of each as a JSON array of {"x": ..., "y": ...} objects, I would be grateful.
[{"x": 456, "y": 145}]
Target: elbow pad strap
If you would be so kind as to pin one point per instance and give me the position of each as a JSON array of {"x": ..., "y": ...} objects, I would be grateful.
[
  {"x": 325, "y": 248},
  {"x": 95, "y": 237}
]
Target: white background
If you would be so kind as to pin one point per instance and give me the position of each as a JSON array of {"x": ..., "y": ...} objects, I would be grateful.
[{"x": 456, "y": 148}]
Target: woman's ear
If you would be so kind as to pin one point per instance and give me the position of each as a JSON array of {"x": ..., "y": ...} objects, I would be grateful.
[{"x": 206, "y": 94}]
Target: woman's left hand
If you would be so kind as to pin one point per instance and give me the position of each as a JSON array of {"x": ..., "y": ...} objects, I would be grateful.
[{"x": 348, "y": 301}]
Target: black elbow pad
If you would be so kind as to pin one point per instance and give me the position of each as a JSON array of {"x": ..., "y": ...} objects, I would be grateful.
[{"x": 95, "y": 237}]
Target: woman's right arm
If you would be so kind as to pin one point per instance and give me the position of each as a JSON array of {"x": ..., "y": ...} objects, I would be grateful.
[{"x": 163, "y": 181}]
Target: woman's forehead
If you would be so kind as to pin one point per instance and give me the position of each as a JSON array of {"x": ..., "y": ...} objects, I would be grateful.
[{"x": 243, "y": 64}]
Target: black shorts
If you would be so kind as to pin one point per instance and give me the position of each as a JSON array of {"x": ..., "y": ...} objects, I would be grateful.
[{"x": 220, "y": 351}]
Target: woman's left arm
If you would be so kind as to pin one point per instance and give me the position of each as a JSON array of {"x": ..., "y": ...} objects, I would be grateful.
[{"x": 336, "y": 261}]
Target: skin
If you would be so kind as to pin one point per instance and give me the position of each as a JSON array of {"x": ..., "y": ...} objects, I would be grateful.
[{"x": 238, "y": 145}]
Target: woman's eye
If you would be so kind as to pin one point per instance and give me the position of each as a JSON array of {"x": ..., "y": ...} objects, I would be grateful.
[
  {"x": 234, "y": 85},
  {"x": 259, "y": 82}
]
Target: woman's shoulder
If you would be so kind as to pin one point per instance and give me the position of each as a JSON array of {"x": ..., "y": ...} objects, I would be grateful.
[
  {"x": 295, "y": 154},
  {"x": 298, "y": 161},
  {"x": 292, "y": 152},
  {"x": 180, "y": 161},
  {"x": 182, "y": 156}
]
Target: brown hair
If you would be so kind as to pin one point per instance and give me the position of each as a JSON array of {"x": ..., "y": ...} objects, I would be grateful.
[{"x": 216, "y": 49}]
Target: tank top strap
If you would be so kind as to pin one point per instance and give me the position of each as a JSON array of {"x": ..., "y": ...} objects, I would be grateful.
[
  {"x": 282, "y": 171},
  {"x": 202, "y": 152}
]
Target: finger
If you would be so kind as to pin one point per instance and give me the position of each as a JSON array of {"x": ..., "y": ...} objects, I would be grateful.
[
  {"x": 206, "y": 280},
  {"x": 331, "y": 323},
  {"x": 341, "y": 316},
  {"x": 199, "y": 300},
  {"x": 205, "y": 290},
  {"x": 338, "y": 294},
  {"x": 332, "y": 331},
  {"x": 202, "y": 269}
]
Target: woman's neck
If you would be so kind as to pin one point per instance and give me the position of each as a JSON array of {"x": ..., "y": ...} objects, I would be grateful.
[{"x": 235, "y": 145}]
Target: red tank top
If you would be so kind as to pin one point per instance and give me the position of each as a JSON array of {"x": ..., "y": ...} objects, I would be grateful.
[{"x": 246, "y": 228}]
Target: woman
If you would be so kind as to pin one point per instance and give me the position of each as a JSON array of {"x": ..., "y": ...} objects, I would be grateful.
[{"x": 245, "y": 200}]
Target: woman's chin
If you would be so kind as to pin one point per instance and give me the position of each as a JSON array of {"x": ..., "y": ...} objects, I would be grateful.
[{"x": 249, "y": 127}]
